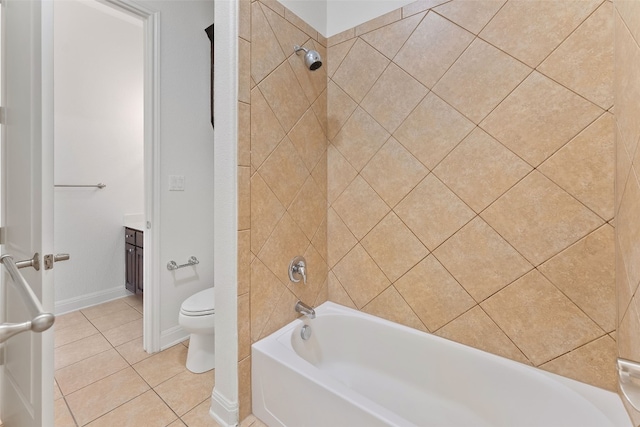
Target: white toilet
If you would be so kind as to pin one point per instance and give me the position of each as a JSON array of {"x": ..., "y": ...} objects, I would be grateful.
[{"x": 197, "y": 315}]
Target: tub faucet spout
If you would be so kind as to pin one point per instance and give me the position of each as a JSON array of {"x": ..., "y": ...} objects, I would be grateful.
[{"x": 303, "y": 308}]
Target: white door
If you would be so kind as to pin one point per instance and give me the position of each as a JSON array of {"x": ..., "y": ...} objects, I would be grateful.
[{"x": 27, "y": 204}]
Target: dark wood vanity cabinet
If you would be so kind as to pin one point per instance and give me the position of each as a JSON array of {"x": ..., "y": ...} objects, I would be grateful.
[{"x": 134, "y": 256}]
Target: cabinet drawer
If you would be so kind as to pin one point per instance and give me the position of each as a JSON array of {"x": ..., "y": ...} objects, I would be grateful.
[
  {"x": 139, "y": 239},
  {"x": 130, "y": 235}
]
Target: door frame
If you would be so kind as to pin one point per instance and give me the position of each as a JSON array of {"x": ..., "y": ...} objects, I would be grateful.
[{"x": 151, "y": 48}]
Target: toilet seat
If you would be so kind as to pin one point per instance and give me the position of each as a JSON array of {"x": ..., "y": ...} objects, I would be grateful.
[{"x": 199, "y": 304}]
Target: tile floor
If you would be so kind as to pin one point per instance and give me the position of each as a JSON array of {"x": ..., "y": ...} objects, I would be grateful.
[{"x": 105, "y": 378}]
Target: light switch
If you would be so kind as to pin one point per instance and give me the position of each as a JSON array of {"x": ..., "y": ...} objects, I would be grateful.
[{"x": 176, "y": 182}]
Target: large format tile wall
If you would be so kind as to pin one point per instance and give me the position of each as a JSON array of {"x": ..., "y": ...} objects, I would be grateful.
[
  {"x": 468, "y": 176},
  {"x": 627, "y": 198},
  {"x": 471, "y": 177},
  {"x": 282, "y": 174}
]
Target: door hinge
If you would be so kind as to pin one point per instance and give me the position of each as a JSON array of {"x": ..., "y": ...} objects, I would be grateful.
[
  {"x": 2, "y": 235},
  {"x": 2, "y": 109}
]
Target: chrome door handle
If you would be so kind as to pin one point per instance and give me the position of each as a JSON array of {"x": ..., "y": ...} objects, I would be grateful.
[{"x": 33, "y": 262}]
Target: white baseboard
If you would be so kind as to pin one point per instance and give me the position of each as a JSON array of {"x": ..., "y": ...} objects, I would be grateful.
[
  {"x": 172, "y": 336},
  {"x": 88, "y": 300},
  {"x": 222, "y": 411}
]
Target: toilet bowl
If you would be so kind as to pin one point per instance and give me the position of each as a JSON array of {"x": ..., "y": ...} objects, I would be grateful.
[{"x": 197, "y": 316}]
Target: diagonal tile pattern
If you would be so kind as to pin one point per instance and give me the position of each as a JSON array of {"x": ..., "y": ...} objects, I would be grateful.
[{"x": 467, "y": 170}]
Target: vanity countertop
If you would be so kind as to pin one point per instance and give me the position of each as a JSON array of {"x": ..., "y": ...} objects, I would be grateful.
[{"x": 135, "y": 221}]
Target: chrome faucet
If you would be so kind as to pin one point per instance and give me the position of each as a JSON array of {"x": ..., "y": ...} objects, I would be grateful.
[
  {"x": 303, "y": 308},
  {"x": 298, "y": 270}
]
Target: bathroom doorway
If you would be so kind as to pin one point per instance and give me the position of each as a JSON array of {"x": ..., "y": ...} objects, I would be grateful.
[{"x": 103, "y": 152}]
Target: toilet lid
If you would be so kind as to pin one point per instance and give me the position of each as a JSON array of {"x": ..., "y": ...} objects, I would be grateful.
[{"x": 199, "y": 304}]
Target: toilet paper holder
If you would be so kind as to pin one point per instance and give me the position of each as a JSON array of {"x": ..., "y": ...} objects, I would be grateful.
[{"x": 172, "y": 265}]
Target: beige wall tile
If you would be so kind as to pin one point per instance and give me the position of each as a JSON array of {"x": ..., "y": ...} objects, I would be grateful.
[
  {"x": 266, "y": 289},
  {"x": 298, "y": 22},
  {"x": 341, "y": 37},
  {"x": 591, "y": 46},
  {"x": 266, "y": 53},
  {"x": 283, "y": 93},
  {"x": 286, "y": 242},
  {"x": 539, "y": 117},
  {"x": 244, "y": 19},
  {"x": 593, "y": 363},
  {"x": 309, "y": 208},
  {"x": 481, "y": 260},
  {"x": 266, "y": 132},
  {"x": 284, "y": 172},
  {"x": 389, "y": 39},
  {"x": 585, "y": 166},
  {"x": 244, "y": 261},
  {"x": 319, "y": 174},
  {"x": 355, "y": 79},
  {"x": 436, "y": 220},
  {"x": 287, "y": 34},
  {"x": 432, "y": 48},
  {"x": 433, "y": 294},
  {"x": 628, "y": 228},
  {"x": 266, "y": 211},
  {"x": 474, "y": 328},
  {"x": 312, "y": 82},
  {"x": 539, "y": 319},
  {"x": 394, "y": 247},
  {"x": 624, "y": 289},
  {"x": 480, "y": 169},
  {"x": 244, "y": 197},
  {"x": 393, "y": 172},
  {"x": 626, "y": 85},
  {"x": 340, "y": 239},
  {"x": 360, "y": 207},
  {"x": 340, "y": 171},
  {"x": 320, "y": 241},
  {"x": 470, "y": 15},
  {"x": 480, "y": 79},
  {"x": 309, "y": 139},
  {"x": 336, "y": 54},
  {"x": 391, "y": 306},
  {"x": 432, "y": 130},
  {"x": 419, "y": 6},
  {"x": 244, "y": 134},
  {"x": 337, "y": 293},
  {"x": 244, "y": 388},
  {"x": 393, "y": 97},
  {"x": 342, "y": 106},
  {"x": 380, "y": 21},
  {"x": 539, "y": 218},
  {"x": 585, "y": 272},
  {"x": 320, "y": 108},
  {"x": 244, "y": 70},
  {"x": 360, "y": 138},
  {"x": 363, "y": 283},
  {"x": 530, "y": 30},
  {"x": 244, "y": 326},
  {"x": 282, "y": 314}
]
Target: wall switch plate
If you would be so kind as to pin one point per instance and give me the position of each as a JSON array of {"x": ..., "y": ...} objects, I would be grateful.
[{"x": 176, "y": 182}]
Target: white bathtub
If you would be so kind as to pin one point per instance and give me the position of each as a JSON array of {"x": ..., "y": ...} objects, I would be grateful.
[{"x": 358, "y": 370}]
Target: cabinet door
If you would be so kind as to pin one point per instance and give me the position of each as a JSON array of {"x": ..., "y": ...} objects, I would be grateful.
[
  {"x": 131, "y": 273},
  {"x": 139, "y": 269}
]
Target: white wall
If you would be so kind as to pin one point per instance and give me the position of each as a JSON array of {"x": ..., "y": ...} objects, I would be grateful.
[
  {"x": 98, "y": 110},
  {"x": 330, "y": 17},
  {"x": 186, "y": 148}
]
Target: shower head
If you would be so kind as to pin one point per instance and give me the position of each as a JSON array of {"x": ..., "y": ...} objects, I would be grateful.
[{"x": 311, "y": 57}]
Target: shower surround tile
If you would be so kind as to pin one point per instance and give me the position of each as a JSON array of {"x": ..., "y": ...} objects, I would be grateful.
[
  {"x": 470, "y": 15},
  {"x": 391, "y": 305},
  {"x": 432, "y": 49},
  {"x": 360, "y": 138},
  {"x": 539, "y": 319},
  {"x": 539, "y": 117},
  {"x": 530, "y": 30},
  {"x": 389, "y": 39},
  {"x": 480, "y": 169},
  {"x": 584, "y": 61},
  {"x": 356, "y": 79},
  {"x": 480, "y": 79}
]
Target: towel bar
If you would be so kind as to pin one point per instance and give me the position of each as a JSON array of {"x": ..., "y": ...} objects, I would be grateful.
[{"x": 172, "y": 265}]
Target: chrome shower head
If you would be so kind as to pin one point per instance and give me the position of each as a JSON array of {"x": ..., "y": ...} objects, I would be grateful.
[{"x": 311, "y": 57}]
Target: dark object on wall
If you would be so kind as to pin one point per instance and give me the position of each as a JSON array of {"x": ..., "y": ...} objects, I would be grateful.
[
  {"x": 209, "y": 31},
  {"x": 134, "y": 264}
]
